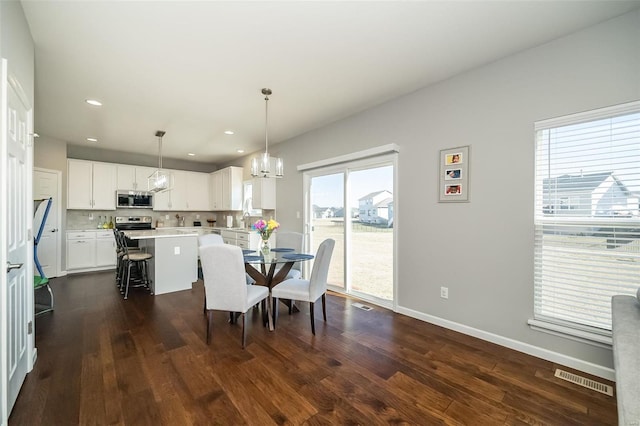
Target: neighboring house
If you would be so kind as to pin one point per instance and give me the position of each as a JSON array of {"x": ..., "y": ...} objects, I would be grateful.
[
  {"x": 374, "y": 207},
  {"x": 327, "y": 212},
  {"x": 592, "y": 195}
]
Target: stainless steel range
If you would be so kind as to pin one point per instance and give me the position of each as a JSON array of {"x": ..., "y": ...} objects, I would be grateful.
[{"x": 129, "y": 223}]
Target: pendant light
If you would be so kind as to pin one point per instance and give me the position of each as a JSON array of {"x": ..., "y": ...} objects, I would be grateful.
[
  {"x": 160, "y": 180},
  {"x": 264, "y": 165}
]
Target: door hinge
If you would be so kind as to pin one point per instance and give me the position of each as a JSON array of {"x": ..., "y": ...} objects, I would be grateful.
[{"x": 30, "y": 327}]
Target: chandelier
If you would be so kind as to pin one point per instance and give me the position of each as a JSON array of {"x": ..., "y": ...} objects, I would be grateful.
[
  {"x": 160, "y": 180},
  {"x": 264, "y": 165}
]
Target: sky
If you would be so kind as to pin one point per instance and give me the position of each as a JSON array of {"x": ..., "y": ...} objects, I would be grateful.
[{"x": 328, "y": 190}]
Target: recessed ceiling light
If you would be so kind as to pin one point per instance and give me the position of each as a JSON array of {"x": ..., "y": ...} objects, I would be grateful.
[
  {"x": 191, "y": 154},
  {"x": 229, "y": 132},
  {"x": 92, "y": 140},
  {"x": 93, "y": 102},
  {"x": 240, "y": 151}
]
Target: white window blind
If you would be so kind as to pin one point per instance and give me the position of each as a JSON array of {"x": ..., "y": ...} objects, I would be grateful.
[{"x": 587, "y": 215}]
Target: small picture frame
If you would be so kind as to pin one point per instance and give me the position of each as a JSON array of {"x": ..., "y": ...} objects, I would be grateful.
[{"x": 454, "y": 175}]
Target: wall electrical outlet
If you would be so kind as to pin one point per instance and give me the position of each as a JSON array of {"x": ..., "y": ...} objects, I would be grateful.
[{"x": 444, "y": 292}]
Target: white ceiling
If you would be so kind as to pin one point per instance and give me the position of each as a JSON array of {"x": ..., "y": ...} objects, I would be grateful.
[{"x": 195, "y": 69}]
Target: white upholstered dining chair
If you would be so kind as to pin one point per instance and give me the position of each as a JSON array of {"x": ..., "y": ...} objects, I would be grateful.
[
  {"x": 308, "y": 290},
  {"x": 294, "y": 240},
  {"x": 225, "y": 284},
  {"x": 208, "y": 239},
  {"x": 203, "y": 241}
]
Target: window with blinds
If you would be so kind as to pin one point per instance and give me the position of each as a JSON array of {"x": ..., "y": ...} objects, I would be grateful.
[{"x": 587, "y": 216}]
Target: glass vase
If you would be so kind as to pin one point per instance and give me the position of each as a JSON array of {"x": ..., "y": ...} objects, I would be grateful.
[{"x": 265, "y": 248}]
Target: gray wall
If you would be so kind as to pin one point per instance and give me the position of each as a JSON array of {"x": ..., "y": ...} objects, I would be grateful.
[
  {"x": 108, "y": 156},
  {"x": 493, "y": 108},
  {"x": 50, "y": 153},
  {"x": 16, "y": 45}
]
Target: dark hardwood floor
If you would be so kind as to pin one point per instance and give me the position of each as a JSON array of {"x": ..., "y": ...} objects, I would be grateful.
[{"x": 104, "y": 360}]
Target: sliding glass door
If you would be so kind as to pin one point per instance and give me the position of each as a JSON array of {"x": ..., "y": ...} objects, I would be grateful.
[
  {"x": 353, "y": 203},
  {"x": 327, "y": 220}
]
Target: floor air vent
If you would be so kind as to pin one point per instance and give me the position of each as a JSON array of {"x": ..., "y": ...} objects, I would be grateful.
[
  {"x": 583, "y": 381},
  {"x": 361, "y": 306}
]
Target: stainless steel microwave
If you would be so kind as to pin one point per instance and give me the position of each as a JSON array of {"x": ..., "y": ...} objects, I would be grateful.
[{"x": 134, "y": 200}]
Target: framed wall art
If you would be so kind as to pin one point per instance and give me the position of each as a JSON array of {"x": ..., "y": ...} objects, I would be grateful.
[{"x": 454, "y": 175}]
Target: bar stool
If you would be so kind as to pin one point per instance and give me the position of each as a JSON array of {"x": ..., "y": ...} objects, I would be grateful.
[{"x": 128, "y": 260}]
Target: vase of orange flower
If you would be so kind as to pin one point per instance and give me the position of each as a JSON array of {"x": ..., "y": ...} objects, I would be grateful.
[{"x": 265, "y": 228}]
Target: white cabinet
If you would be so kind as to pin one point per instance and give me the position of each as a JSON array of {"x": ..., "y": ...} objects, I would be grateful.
[
  {"x": 198, "y": 193},
  {"x": 91, "y": 185},
  {"x": 105, "y": 249},
  {"x": 90, "y": 250},
  {"x": 178, "y": 194},
  {"x": 166, "y": 200},
  {"x": 189, "y": 192},
  {"x": 81, "y": 247},
  {"x": 226, "y": 189},
  {"x": 244, "y": 239},
  {"x": 263, "y": 193},
  {"x": 215, "y": 187},
  {"x": 162, "y": 201},
  {"x": 133, "y": 177},
  {"x": 175, "y": 198}
]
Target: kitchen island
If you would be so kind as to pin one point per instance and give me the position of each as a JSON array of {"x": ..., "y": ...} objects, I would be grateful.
[{"x": 174, "y": 265}]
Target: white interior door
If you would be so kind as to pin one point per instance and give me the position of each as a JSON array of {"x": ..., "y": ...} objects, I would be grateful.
[
  {"x": 46, "y": 184},
  {"x": 17, "y": 288}
]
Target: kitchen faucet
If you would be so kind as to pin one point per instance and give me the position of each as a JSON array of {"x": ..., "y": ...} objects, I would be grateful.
[{"x": 245, "y": 218}]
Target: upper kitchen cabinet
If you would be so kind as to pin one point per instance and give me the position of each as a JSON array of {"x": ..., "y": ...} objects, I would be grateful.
[
  {"x": 189, "y": 192},
  {"x": 226, "y": 189},
  {"x": 172, "y": 199},
  {"x": 91, "y": 185},
  {"x": 263, "y": 193},
  {"x": 133, "y": 177},
  {"x": 198, "y": 191}
]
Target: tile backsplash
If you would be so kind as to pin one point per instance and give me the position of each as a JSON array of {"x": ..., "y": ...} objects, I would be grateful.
[{"x": 89, "y": 219}]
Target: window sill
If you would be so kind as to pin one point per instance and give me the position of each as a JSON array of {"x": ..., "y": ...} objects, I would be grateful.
[{"x": 583, "y": 336}]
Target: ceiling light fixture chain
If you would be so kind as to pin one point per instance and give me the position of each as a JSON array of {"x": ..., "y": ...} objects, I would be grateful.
[
  {"x": 160, "y": 134},
  {"x": 266, "y": 92}
]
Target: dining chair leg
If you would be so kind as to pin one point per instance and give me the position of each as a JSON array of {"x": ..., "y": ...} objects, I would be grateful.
[
  {"x": 269, "y": 312},
  {"x": 244, "y": 336},
  {"x": 313, "y": 321},
  {"x": 275, "y": 311},
  {"x": 324, "y": 307},
  {"x": 209, "y": 326}
]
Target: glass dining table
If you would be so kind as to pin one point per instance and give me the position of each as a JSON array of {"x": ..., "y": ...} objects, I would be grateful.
[{"x": 272, "y": 268}]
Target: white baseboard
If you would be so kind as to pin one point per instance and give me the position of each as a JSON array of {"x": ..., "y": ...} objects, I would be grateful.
[{"x": 578, "y": 364}]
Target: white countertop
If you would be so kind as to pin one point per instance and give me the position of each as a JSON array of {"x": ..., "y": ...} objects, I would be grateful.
[
  {"x": 245, "y": 230},
  {"x": 90, "y": 230},
  {"x": 159, "y": 233}
]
